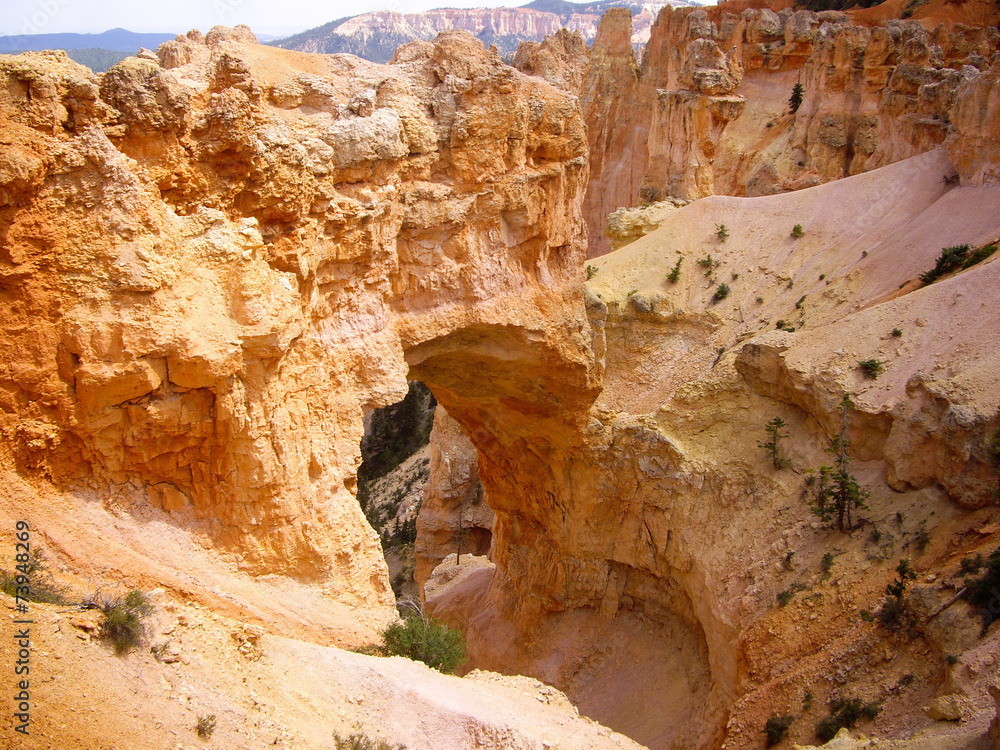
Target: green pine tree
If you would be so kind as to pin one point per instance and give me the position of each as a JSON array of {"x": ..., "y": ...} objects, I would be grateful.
[
  {"x": 840, "y": 496},
  {"x": 798, "y": 90}
]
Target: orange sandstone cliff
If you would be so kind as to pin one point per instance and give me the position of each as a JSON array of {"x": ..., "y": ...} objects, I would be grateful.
[{"x": 707, "y": 110}]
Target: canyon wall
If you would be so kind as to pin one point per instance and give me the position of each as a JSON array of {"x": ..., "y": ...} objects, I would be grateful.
[
  {"x": 374, "y": 36},
  {"x": 215, "y": 261},
  {"x": 454, "y": 517},
  {"x": 707, "y": 111}
]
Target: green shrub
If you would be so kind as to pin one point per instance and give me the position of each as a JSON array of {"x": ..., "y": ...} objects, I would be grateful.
[
  {"x": 32, "y": 571},
  {"x": 798, "y": 231},
  {"x": 970, "y": 565},
  {"x": 707, "y": 263},
  {"x": 776, "y": 728},
  {"x": 721, "y": 292},
  {"x": 424, "y": 639},
  {"x": 897, "y": 333},
  {"x": 721, "y": 231},
  {"x": 984, "y": 592},
  {"x": 827, "y": 728},
  {"x": 358, "y": 741},
  {"x": 591, "y": 272},
  {"x": 205, "y": 726},
  {"x": 950, "y": 259},
  {"x": 675, "y": 273},
  {"x": 827, "y": 564},
  {"x": 845, "y": 713},
  {"x": 798, "y": 305},
  {"x": 871, "y": 368},
  {"x": 894, "y": 613},
  {"x": 979, "y": 256},
  {"x": 123, "y": 620},
  {"x": 786, "y": 596}
]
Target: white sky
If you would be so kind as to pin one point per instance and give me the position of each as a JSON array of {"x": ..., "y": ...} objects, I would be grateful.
[{"x": 178, "y": 16}]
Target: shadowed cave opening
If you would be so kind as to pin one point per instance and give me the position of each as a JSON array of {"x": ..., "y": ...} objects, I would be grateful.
[{"x": 395, "y": 469}]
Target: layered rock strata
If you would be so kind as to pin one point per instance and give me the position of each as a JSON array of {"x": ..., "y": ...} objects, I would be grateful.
[
  {"x": 375, "y": 35},
  {"x": 709, "y": 107}
]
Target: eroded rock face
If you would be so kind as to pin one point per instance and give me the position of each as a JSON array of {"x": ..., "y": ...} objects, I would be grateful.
[
  {"x": 608, "y": 104},
  {"x": 561, "y": 59},
  {"x": 872, "y": 96},
  {"x": 215, "y": 264},
  {"x": 454, "y": 516},
  {"x": 629, "y": 224},
  {"x": 974, "y": 146},
  {"x": 667, "y": 524}
]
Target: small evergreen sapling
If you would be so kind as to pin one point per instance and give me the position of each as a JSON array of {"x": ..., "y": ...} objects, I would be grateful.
[
  {"x": 839, "y": 496},
  {"x": 795, "y": 100},
  {"x": 893, "y": 614},
  {"x": 773, "y": 429},
  {"x": 675, "y": 272}
]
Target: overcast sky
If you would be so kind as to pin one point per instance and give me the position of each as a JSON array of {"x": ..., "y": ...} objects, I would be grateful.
[{"x": 177, "y": 16}]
